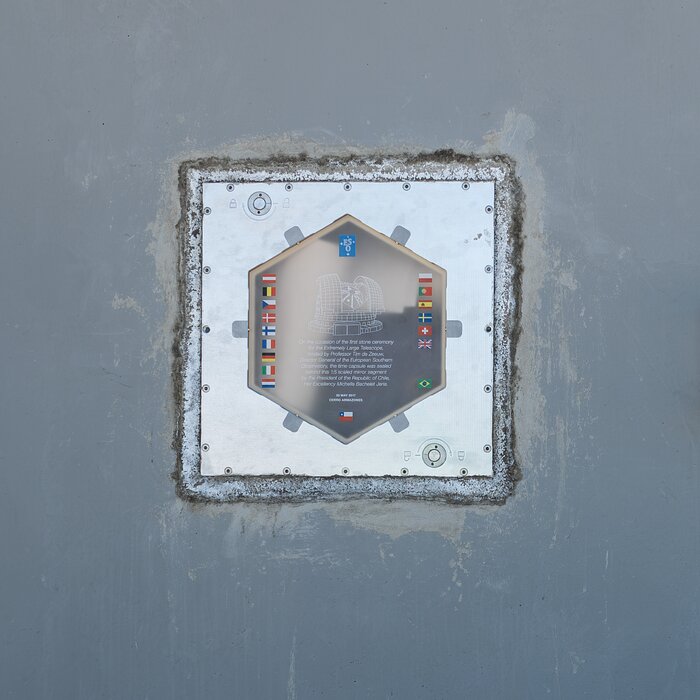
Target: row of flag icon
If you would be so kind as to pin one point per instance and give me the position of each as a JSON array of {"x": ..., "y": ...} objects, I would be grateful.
[
  {"x": 268, "y": 331},
  {"x": 425, "y": 318}
]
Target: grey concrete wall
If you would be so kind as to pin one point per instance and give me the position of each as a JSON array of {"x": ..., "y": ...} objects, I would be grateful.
[{"x": 584, "y": 585}]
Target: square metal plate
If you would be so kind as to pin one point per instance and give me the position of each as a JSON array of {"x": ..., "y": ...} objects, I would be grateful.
[
  {"x": 254, "y": 424},
  {"x": 449, "y": 226}
]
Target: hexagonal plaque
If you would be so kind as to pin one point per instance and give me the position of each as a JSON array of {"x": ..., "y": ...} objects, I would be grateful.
[{"x": 347, "y": 329}]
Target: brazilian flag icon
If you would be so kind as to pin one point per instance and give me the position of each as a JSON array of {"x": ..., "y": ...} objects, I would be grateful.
[{"x": 425, "y": 383}]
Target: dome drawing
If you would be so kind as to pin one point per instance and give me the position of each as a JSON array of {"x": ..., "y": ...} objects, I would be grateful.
[{"x": 347, "y": 308}]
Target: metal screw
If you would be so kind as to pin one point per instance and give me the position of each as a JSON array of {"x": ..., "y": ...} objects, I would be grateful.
[
  {"x": 286, "y": 470},
  {"x": 487, "y": 388},
  {"x": 205, "y": 447},
  {"x": 465, "y": 185},
  {"x": 230, "y": 187},
  {"x": 207, "y": 210},
  {"x": 463, "y": 472},
  {"x": 489, "y": 209},
  {"x": 406, "y": 186},
  {"x": 205, "y": 388},
  {"x": 488, "y": 329},
  {"x": 404, "y": 471},
  {"x": 346, "y": 470},
  {"x": 206, "y": 269},
  {"x": 488, "y": 268},
  {"x": 205, "y": 329},
  {"x": 487, "y": 448},
  {"x": 228, "y": 470},
  {"x": 347, "y": 186},
  {"x": 288, "y": 187}
]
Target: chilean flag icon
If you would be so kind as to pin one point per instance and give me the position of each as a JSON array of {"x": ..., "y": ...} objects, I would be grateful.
[{"x": 345, "y": 416}]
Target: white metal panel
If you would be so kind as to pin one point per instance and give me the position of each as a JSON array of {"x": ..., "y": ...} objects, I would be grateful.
[{"x": 449, "y": 225}]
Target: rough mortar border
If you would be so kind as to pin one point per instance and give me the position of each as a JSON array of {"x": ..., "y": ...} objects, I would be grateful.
[{"x": 439, "y": 165}]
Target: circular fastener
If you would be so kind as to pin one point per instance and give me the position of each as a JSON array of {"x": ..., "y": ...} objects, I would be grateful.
[
  {"x": 404, "y": 471},
  {"x": 463, "y": 472},
  {"x": 406, "y": 186},
  {"x": 286, "y": 470},
  {"x": 465, "y": 185},
  {"x": 434, "y": 454},
  {"x": 228, "y": 471},
  {"x": 205, "y": 388},
  {"x": 487, "y": 388},
  {"x": 230, "y": 187},
  {"x": 347, "y": 187},
  {"x": 207, "y": 210},
  {"x": 205, "y": 447},
  {"x": 487, "y": 448},
  {"x": 205, "y": 329},
  {"x": 488, "y": 268},
  {"x": 259, "y": 203},
  {"x": 488, "y": 328},
  {"x": 489, "y": 209},
  {"x": 346, "y": 471},
  {"x": 206, "y": 269},
  {"x": 288, "y": 187}
]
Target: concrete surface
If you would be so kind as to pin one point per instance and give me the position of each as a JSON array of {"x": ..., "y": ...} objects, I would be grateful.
[{"x": 583, "y": 585}]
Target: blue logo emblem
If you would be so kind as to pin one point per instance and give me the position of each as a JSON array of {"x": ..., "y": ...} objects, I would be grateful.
[{"x": 346, "y": 245}]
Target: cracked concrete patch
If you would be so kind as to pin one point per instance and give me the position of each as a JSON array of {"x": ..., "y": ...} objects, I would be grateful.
[{"x": 379, "y": 167}]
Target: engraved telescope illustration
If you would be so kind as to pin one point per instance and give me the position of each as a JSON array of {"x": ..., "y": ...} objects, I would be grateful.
[{"x": 347, "y": 308}]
